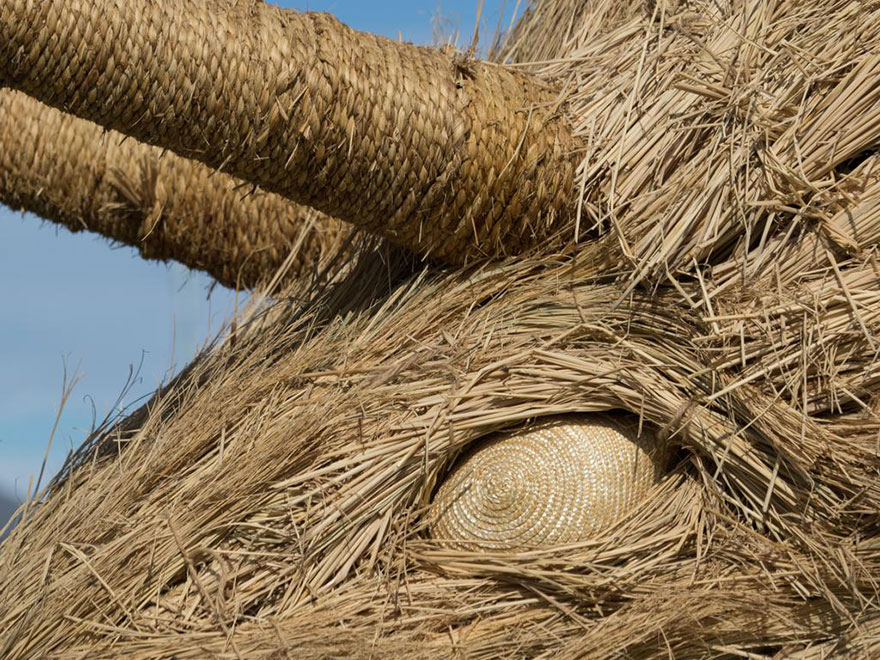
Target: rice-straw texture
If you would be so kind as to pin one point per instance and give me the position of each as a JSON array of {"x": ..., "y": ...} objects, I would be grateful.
[{"x": 707, "y": 127}]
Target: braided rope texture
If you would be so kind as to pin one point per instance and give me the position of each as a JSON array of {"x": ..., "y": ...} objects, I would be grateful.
[
  {"x": 454, "y": 158},
  {"x": 562, "y": 481},
  {"x": 74, "y": 173}
]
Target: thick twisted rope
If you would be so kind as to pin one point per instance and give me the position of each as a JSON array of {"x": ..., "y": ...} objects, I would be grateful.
[
  {"x": 72, "y": 172},
  {"x": 453, "y": 158}
]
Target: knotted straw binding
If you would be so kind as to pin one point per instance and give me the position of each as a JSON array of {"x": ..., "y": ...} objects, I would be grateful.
[
  {"x": 453, "y": 158},
  {"x": 559, "y": 482}
]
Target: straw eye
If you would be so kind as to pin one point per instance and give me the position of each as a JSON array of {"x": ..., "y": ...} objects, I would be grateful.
[{"x": 561, "y": 481}]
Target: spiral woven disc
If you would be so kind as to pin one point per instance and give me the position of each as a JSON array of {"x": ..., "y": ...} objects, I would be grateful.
[{"x": 560, "y": 481}]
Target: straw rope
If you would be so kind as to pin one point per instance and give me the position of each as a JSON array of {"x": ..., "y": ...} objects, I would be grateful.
[
  {"x": 74, "y": 173},
  {"x": 271, "y": 502},
  {"x": 558, "y": 482},
  {"x": 451, "y": 157}
]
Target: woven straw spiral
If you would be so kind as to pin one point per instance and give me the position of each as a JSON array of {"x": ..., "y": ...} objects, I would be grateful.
[{"x": 560, "y": 481}]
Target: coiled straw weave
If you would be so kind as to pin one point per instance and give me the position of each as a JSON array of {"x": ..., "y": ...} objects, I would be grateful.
[{"x": 560, "y": 482}]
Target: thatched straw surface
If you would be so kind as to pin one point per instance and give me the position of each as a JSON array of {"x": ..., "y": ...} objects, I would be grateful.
[
  {"x": 281, "y": 495},
  {"x": 708, "y": 126},
  {"x": 272, "y": 503}
]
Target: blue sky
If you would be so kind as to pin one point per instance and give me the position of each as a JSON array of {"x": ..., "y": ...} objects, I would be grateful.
[{"x": 72, "y": 300}]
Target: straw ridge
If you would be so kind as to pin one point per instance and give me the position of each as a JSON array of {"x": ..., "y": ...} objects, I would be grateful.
[
  {"x": 447, "y": 156},
  {"x": 74, "y": 173}
]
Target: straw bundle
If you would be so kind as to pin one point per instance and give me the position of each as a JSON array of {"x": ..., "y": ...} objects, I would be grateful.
[
  {"x": 708, "y": 127},
  {"x": 275, "y": 501}
]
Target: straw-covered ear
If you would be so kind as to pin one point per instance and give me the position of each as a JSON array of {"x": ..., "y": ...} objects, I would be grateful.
[
  {"x": 450, "y": 157},
  {"x": 73, "y": 172}
]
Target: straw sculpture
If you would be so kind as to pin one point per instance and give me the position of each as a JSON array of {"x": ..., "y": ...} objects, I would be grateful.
[
  {"x": 663, "y": 213},
  {"x": 357, "y": 126}
]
